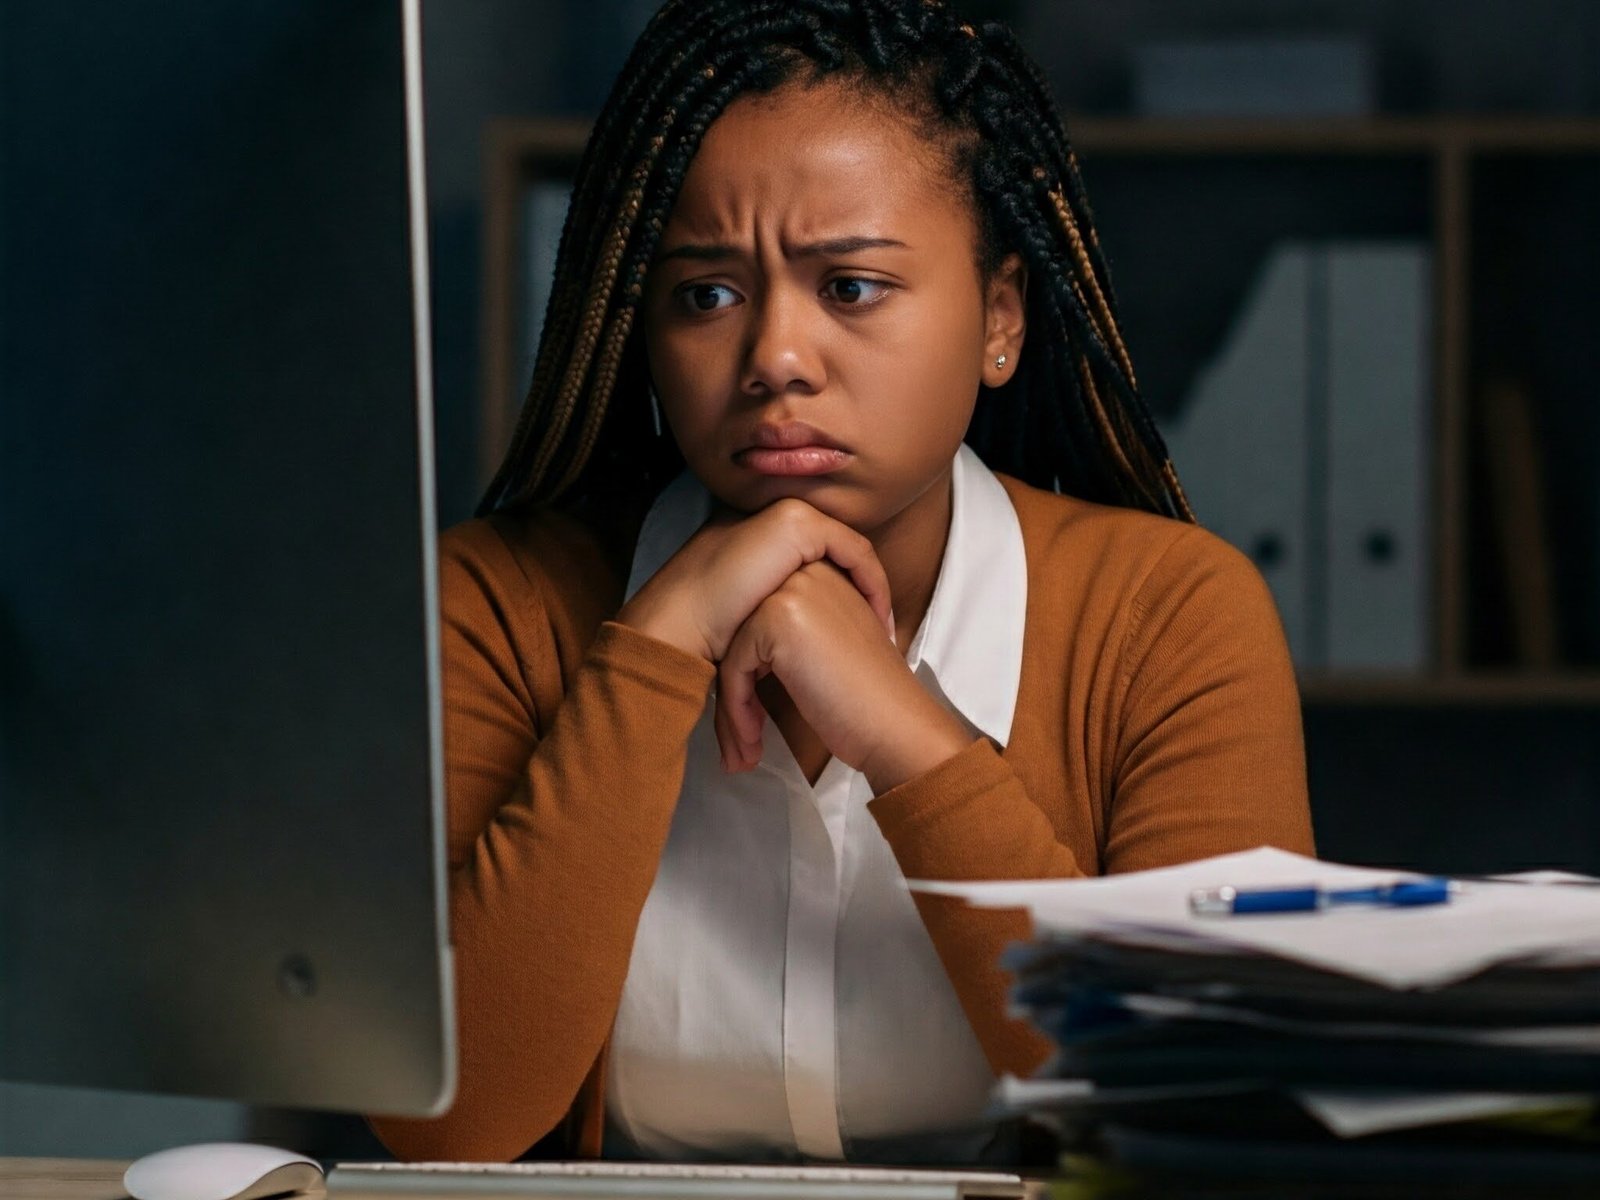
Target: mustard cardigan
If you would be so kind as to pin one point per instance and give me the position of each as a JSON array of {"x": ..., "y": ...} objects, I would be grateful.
[{"x": 1157, "y": 721}]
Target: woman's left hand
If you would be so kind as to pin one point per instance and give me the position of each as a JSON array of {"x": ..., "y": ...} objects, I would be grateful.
[{"x": 848, "y": 682}]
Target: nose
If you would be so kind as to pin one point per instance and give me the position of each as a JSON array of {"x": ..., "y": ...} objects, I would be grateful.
[{"x": 781, "y": 349}]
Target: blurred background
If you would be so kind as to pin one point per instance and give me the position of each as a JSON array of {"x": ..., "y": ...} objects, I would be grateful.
[{"x": 1354, "y": 244}]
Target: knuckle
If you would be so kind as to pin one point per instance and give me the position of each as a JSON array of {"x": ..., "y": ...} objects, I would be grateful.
[
  {"x": 791, "y": 511},
  {"x": 786, "y": 604},
  {"x": 823, "y": 573}
]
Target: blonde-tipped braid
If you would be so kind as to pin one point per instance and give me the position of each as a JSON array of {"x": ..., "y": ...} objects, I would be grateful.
[
  {"x": 1085, "y": 270},
  {"x": 589, "y": 334},
  {"x": 1108, "y": 433},
  {"x": 609, "y": 365},
  {"x": 1116, "y": 443},
  {"x": 600, "y": 393},
  {"x": 1169, "y": 475}
]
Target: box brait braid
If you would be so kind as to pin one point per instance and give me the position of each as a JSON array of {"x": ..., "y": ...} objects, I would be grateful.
[{"x": 1069, "y": 418}]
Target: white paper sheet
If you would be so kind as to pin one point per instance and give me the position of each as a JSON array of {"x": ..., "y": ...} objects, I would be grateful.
[
  {"x": 1546, "y": 877},
  {"x": 1358, "y": 1112},
  {"x": 1486, "y": 923},
  {"x": 1582, "y": 1038},
  {"x": 1345, "y": 1112},
  {"x": 1012, "y": 1096}
]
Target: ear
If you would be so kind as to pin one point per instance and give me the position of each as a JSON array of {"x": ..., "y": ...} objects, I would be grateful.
[{"x": 1005, "y": 320}]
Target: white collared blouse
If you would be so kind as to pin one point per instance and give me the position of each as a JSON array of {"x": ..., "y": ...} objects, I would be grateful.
[{"x": 783, "y": 999}]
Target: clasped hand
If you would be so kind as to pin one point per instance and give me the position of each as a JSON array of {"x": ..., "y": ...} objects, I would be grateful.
[{"x": 791, "y": 592}]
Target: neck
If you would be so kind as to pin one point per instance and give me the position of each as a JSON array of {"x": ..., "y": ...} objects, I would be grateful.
[{"x": 910, "y": 545}]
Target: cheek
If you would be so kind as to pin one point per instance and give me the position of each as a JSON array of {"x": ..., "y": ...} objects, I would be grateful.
[
  {"x": 688, "y": 381},
  {"x": 936, "y": 356}
]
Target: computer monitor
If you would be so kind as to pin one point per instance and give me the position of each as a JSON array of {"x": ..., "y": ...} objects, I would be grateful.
[{"x": 221, "y": 819}]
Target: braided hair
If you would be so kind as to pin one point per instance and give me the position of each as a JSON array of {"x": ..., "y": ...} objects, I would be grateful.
[{"x": 1070, "y": 418}]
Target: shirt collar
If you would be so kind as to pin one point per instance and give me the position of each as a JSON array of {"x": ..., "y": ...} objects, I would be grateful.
[
  {"x": 971, "y": 635},
  {"x": 970, "y": 639}
]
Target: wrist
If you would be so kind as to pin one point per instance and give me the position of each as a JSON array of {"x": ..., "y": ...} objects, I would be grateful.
[
  {"x": 663, "y": 625},
  {"x": 936, "y": 737}
]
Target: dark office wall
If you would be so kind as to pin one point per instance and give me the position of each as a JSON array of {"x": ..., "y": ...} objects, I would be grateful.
[
  {"x": 488, "y": 58},
  {"x": 480, "y": 58}
]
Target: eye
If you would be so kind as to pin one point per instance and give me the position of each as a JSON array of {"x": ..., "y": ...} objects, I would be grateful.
[
  {"x": 707, "y": 297},
  {"x": 855, "y": 292}
]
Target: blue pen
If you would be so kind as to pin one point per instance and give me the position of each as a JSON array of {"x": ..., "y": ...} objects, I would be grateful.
[{"x": 1235, "y": 902}]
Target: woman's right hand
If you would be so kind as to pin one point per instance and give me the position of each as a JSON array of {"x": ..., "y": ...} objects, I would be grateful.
[{"x": 702, "y": 595}]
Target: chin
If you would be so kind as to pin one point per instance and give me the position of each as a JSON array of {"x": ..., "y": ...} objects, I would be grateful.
[{"x": 828, "y": 495}]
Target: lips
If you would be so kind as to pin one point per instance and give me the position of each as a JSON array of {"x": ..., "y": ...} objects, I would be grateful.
[
  {"x": 792, "y": 448},
  {"x": 789, "y": 435}
]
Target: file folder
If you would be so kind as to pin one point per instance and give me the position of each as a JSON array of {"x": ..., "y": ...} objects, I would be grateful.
[
  {"x": 1378, "y": 384},
  {"x": 1241, "y": 441},
  {"x": 1306, "y": 444}
]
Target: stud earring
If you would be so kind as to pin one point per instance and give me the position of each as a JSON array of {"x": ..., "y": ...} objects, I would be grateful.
[{"x": 1000, "y": 361}]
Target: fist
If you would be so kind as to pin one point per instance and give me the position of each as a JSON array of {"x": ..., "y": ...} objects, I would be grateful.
[
  {"x": 702, "y": 595},
  {"x": 846, "y": 678}
]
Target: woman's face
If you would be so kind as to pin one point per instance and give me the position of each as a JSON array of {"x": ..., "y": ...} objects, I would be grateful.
[{"x": 820, "y": 267}]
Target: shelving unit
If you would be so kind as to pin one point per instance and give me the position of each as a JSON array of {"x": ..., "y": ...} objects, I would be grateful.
[{"x": 1442, "y": 160}]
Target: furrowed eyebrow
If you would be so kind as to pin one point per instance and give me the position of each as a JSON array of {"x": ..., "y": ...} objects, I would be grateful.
[
  {"x": 847, "y": 245},
  {"x": 700, "y": 253},
  {"x": 718, "y": 251}
]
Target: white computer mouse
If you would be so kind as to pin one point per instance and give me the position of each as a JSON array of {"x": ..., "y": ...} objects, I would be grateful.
[{"x": 220, "y": 1171}]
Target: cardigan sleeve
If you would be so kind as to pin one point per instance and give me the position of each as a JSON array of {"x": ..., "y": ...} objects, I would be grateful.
[
  {"x": 1210, "y": 754},
  {"x": 556, "y": 824},
  {"x": 1209, "y": 758},
  {"x": 971, "y": 818}
]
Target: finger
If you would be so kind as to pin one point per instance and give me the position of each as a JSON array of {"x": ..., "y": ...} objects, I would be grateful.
[
  {"x": 853, "y": 553},
  {"x": 726, "y": 742},
  {"x": 736, "y": 756},
  {"x": 744, "y": 731},
  {"x": 737, "y": 674},
  {"x": 859, "y": 560}
]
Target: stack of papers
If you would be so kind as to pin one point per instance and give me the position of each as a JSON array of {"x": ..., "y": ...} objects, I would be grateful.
[{"x": 1450, "y": 1041}]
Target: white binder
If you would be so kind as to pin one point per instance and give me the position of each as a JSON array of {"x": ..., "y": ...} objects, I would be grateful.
[
  {"x": 1379, "y": 332},
  {"x": 1305, "y": 444},
  {"x": 1240, "y": 443}
]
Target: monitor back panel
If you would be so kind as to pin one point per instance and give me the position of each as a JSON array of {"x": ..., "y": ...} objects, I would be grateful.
[{"x": 219, "y": 768}]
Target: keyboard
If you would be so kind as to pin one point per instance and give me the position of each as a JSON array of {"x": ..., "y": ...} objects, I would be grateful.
[{"x": 663, "y": 1181}]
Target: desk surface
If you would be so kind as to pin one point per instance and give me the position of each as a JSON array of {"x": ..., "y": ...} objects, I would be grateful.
[{"x": 68, "y": 1179}]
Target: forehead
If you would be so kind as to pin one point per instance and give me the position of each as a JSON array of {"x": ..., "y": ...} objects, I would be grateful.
[{"x": 817, "y": 158}]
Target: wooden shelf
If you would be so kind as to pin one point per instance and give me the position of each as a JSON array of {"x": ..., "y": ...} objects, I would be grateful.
[
  {"x": 553, "y": 136},
  {"x": 565, "y": 136},
  {"x": 1476, "y": 689},
  {"x": 1374, "y": 135}
]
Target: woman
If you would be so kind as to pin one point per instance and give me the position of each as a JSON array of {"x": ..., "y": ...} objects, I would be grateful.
[{"x": 830, "y": 327}]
